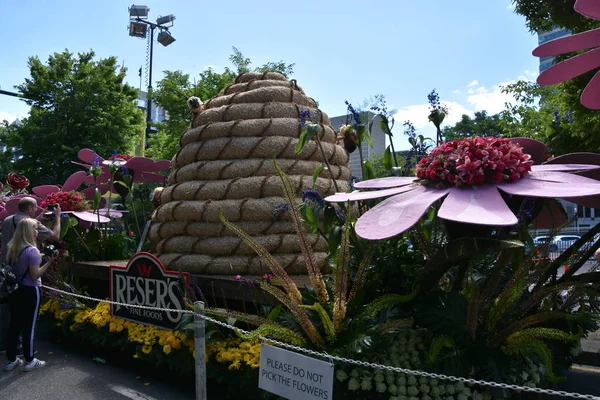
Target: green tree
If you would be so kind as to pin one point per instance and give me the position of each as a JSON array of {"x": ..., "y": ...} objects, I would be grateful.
[
  {"x": 481, "y": 124},
  {"x": 76, "y": 102},
  {"x": 554, "y": 114},
  {"x": 176, "y": 87}
]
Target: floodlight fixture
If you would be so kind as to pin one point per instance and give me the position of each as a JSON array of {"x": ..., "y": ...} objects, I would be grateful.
[
  {"x": 167, "y": 19},
  {"x": 165, "y": 38},
  {"x": 138, "y": 29},
  {"x": 138, "y": 11}
]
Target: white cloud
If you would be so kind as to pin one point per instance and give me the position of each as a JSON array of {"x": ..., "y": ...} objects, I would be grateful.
[
  {"x": 6, "y": 116},
  {"x": 209, "y": 66},
  {"x": 456, "y": 92},
  {"x": 473, "y": 83}
]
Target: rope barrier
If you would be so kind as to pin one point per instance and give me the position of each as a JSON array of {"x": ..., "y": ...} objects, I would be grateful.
[{"x": 343, "y": 359}]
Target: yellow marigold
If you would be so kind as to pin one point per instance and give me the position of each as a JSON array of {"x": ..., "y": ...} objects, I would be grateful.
[
  {"x": 167, "y": 349},
  {"x": 112, "y": 327},
  {"x": 119, "y": 328},
  {"x": 146, "y": 349},
  {"x": 176, "y": 344}
]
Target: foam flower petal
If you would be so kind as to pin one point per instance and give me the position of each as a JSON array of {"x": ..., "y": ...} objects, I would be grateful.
[
  {"x": 74, "y": 181},
  {"x": 477, "y": 205},
  {"x": 111, "y": 213},
  {"x": 570, "y": 68},
  {"x": 551, "y": 215},
  {"x": 139, "y": 162},
  {"x": 88, "y": 156},
  {"x": 540, "y": 188},
  {"x": 536, "y": 149},
  {"x": 159, "y": 166},
  {"x": 149, "y": 177},
  {"x": 589, "y": 8},
  {"x": 398, "y": 213},
  {"x": 383, "y": 183},
  {"x": 45, "y": 190},
  {"x": 563, "y": 167},
  {"x": 589, "y": 96},
  {"x": 90, "y": 217},
  {"x": 568, "y": 44},
  {"x": 374, "y": 194}
]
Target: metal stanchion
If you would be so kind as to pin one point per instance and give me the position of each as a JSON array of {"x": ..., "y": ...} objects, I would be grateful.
[{"x": 200, "y": 347}]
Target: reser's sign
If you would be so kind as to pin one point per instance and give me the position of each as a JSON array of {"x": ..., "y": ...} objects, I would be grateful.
[{"x": 146, "y": 282}]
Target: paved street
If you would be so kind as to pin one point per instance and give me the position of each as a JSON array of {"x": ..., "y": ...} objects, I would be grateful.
[{"x": 72, "y": 374}]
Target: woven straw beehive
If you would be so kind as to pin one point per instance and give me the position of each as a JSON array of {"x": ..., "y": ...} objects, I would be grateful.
[{"x": 225, "y": 160}]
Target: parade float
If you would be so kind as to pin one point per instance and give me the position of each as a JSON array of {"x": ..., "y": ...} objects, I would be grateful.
[{"x": 434, "y": 271}]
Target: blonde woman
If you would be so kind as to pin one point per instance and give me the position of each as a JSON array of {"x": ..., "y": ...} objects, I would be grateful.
[{"x": 25, "y": 259}]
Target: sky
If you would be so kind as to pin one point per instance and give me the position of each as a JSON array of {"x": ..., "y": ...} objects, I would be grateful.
[{"x": 342, "y": 50}]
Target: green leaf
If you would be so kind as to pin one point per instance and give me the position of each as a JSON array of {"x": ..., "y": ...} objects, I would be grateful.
[
  {"x": 122, "y": 184},
  {"x": 318, "y": 170},
  {"x": 311, "y": 219},
  {"x": 97, "y": 198},
  {"x": 274, "y": 314},
  {"x": 396, "y": 171},
  {"x": 368, "y": 170},
  {"x": 363, "y": 135},
  {"x": 335, "y": 238},
  {"x": 383, "y": 124},
  {"x": 387, "y": 158},
  {"x": 307, "y": 134},
  {"x": 328, "y": 217}
]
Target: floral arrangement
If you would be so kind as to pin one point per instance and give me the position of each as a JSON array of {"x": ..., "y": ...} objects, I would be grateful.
[
  {"x": 475, "y": 161},
  {"x": 150, "y": 344},
  {"x": 67, "y": 201}
]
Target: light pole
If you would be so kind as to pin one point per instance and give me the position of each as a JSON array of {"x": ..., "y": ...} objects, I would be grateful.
[{"x": 138, "y": 27}]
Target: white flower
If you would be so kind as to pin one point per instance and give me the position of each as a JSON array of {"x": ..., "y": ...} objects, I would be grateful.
[
  {"x": 353, "y": 384},
  {"x": 341, "y": 375},
  {"x": 413, "y": 391},
  {"x": 393, "y": 389},
  {"x": 379, "y": 377},
  {"x": 412, "y": 381},
  {"x": 354, "y": 373},
  {"x": 365, "y": 383},
  {"x": 380, "y": 387}
]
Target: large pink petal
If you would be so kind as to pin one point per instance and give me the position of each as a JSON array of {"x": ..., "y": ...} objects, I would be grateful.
[
  {"x": 563, "y": 167},
  {"x": 538, "y": 188},
  {"x": 576, "y": 158},
  {"x": 579, "y": 41},
  {"x": 159, "y": 166},
  {"x": 74, "y": 181},
  {"x": 570, "y": 68},
  {"x": 397, "y": 214},
  {"x": 383, "y": 183},
  {"x": 373, "y": 194},
  {"x": 45, "y": 190},
  {"x": 139, "y": 163},
  {"x": 111, "y": 213},
  {"x": 481, "y": 205},
  {"x": 589, "y": 97},
  {"x": 563, "y": 177},
  {"x": 90, "y": 217},
  {"x": 88, "y": 156},
  {"x": 589, "y": 8},
  {"x": 149, "y": 177},
  {"x": 536, "y": 149},
  {"x": 3, "y": 215}
]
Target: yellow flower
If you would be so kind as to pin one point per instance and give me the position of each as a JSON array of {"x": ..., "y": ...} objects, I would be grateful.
[
  {"x": 112, "y": 327},
  {"x": 146, "y": 349},
  {"x": 235, "y": 365},
  {"x": 176, "y": 344},
  {"x": 167, "y": 349}
]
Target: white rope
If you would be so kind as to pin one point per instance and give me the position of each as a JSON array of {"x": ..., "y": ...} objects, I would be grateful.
[{"x": 347, "y": 360}]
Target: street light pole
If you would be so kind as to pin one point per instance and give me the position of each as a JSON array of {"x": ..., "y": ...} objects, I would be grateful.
[
  {"x": 138, "y": 27},
  {"x": 148, "y": 97}
]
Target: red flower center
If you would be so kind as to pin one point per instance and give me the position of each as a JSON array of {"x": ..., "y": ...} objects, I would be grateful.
[{"x": 475, "y": 161}]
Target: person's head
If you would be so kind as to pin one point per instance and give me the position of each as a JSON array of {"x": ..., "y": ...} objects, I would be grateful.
[
  {"x": 28, "y": 205},
  {"x": 25, "y": 235}
]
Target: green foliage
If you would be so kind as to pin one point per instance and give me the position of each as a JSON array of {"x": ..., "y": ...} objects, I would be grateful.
[
  {"x": 176, "y": 87},
  {"x": 76, "y": 103},
  {"x": 481, "y": 125},
  {"x": 544, "y": 15}
]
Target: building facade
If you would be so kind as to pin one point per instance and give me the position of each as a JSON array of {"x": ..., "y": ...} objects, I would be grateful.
[
  {"x": 158, "y": 113},
  {"x": 543, "y": 37},
  {"x": 377, "y": 136}
]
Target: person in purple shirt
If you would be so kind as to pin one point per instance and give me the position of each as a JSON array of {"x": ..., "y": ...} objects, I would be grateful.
[{"x": 25, "y": 259}]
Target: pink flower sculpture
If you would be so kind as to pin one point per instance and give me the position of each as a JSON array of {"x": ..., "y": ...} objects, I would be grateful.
[
  {"x": 142, "y": 169},
  {"x": 579, "y": 64},
  {"x": 469, "y": 175}
]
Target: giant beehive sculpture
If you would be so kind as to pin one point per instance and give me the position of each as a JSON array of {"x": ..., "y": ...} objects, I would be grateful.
[{"x": 225, "y": 160}]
